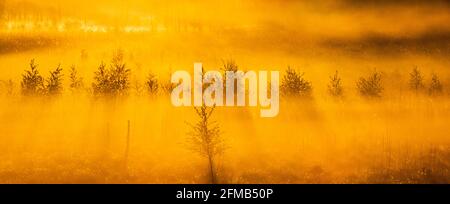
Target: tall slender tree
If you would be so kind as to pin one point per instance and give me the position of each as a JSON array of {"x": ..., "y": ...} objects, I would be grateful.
[{"x": 206, "y": 140}]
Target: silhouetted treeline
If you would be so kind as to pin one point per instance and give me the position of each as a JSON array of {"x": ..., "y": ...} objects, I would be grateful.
[
  {"x": 33, "y": 84},
  {"x": 113, "y": 80}
]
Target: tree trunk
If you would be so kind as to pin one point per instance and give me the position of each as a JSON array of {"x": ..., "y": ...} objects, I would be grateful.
[{"x": 211, "y": 169}]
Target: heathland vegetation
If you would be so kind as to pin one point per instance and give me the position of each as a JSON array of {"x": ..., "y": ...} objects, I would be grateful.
[
  {"x": 364, "y": 91},
  {"x": 222, "y": 138}
]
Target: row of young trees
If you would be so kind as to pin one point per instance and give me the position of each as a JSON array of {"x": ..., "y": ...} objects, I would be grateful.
[
  {"x": 205, "y": 136},
  {"x": 371, "y": 86},
  {"x": 114, "y": 80},
  {"x": 34, "y": 84},
  {"x": 109, "y": 81}
]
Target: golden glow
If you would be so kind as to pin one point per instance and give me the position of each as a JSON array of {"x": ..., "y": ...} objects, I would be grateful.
[{"x": 401, "y": 138}]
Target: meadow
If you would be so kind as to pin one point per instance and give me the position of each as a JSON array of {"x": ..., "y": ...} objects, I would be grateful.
[{"x": 360, "y": 100}]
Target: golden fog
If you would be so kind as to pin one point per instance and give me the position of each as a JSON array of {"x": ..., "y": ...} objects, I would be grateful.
[{"x": 402, "y": 136}]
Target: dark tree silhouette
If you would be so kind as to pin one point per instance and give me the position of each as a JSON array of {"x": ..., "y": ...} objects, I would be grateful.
[
  {"x": 229, "y": 65},
  {"x": 335, "y": 86},
  {"x": 152, "y": 84},
  {"x": 371, "y": 86},
  {"x": 32, "y": 82},
  {"x": 205, "y": 139},
  {"x": 101, "y": 82},
  {"x": 293, "y": 84},
  {"x": 76, "y": 82},
  {"x": 166, "y": 85},
  {"x": 436, "y": 87},
  {"x": 54, "y": 82},
  {"x": 119, "y": 74},
  {"x": 416, "y": 80},
  {"x": 114, "y": 81}
]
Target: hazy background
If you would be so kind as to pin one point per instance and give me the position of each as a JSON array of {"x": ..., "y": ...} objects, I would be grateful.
[
  {"x": 402, "y": 138},
  {"x": 315, "y": 36}
]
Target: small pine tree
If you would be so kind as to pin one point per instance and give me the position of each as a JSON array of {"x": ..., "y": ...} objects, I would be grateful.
[
  {"x": 335, "y": 86},
  {"x": 436, "y": 87},
  {"x": 119, "y": 81},
  {"x": 54, "y": 82},
  {"x": 76, "y": 82},
  {"x": 114, "y": 81},
  {"x": 205, "y": 137},
  {"x": 293, "y": 84},
  {"x": 166, "y": 85},
  {"x": 100, "y": 85},
  {"x": 416, "y": 80},
  {"x": 119, "y": 74},
  {"x": 32, "y": 82},
  {"x": 230, "y": 65},
  {"x": 370, "y": 87},
  {"x": 152, "y": 84}
]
